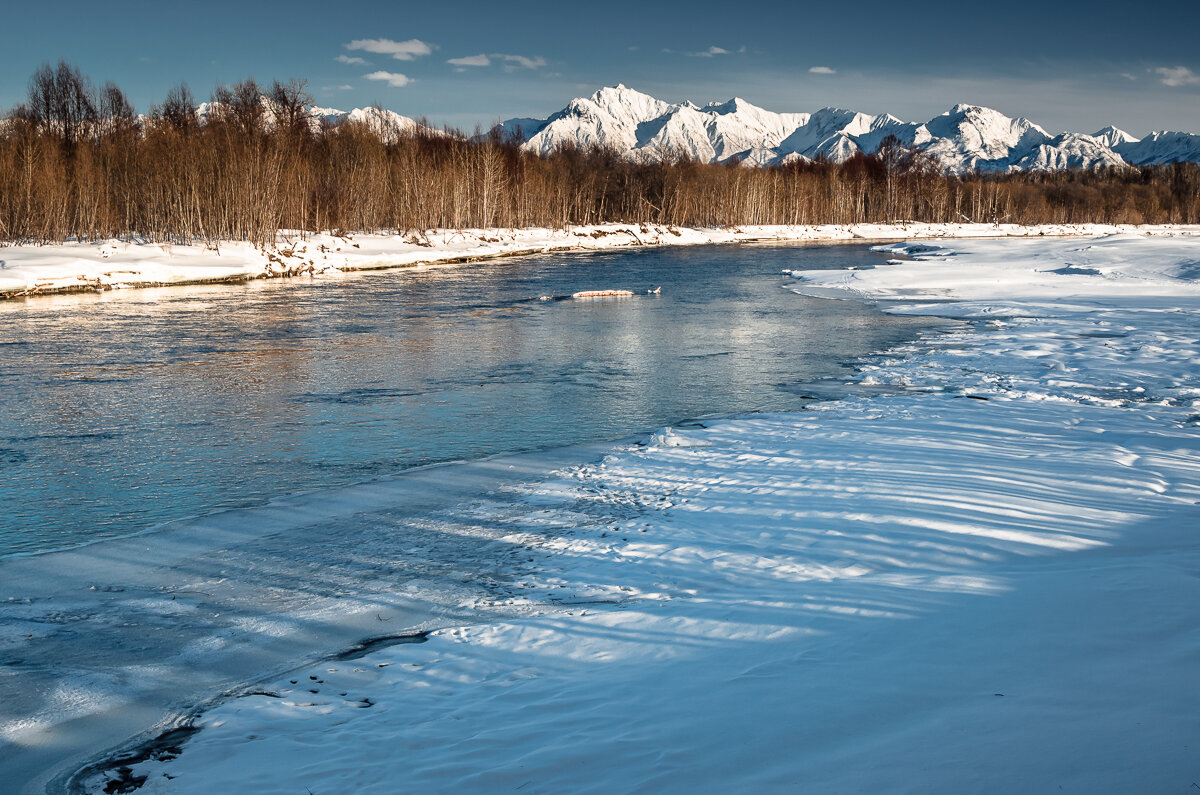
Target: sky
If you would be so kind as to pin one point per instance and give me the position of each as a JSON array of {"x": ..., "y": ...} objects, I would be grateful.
[{"x": 1065, "y": 65}]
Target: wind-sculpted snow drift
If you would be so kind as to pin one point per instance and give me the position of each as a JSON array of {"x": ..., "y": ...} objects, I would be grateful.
[{"x": 964, "y": 138}]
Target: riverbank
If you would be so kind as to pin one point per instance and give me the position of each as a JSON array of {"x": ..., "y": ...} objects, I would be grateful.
[
  {"x": 119, "y": 264},
  {"x": 976, "y": 573}
]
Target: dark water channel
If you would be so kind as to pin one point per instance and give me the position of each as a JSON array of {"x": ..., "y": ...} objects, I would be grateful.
[{"x": 127, "y": 409}]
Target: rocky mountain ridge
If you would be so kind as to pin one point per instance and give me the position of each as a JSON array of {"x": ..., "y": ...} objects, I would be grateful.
[{"x": 964, "y": 138}]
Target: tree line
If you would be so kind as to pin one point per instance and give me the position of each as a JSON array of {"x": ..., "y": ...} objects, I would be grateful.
[{"x": 76, "y": 162}]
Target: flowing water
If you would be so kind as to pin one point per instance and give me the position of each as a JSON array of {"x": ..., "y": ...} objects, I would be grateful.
[
  {"x": 290, "y": 420},
  {"x": 127, "y": 409}
]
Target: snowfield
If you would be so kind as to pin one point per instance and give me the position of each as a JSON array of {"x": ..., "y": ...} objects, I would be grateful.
[
  {"x": 116, "y": 264},
  {"x": 975, "y": 571}
]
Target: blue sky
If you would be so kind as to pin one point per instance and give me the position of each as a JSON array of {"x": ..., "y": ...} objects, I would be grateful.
[{"x": 1064, "y": 65}]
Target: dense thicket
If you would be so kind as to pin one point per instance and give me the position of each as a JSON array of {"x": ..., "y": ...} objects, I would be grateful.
[{"x": 75, "y": 162}]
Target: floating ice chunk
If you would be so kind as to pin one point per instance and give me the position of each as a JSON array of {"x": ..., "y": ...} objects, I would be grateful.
[
  {"x": 912, "y": 249},
  {"x": 602, "y": 294}
]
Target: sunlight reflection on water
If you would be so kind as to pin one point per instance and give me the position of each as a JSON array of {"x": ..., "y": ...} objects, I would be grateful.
[{"x": 126, "y": 409}]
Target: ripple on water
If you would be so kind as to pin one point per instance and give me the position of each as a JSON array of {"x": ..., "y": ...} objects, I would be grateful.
[{"x": 134, "y": 408}]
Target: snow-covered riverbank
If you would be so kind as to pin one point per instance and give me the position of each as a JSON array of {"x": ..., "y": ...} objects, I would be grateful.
[
  {"x": 977, "y": 573},
  {"x": 114, "y": 264}
]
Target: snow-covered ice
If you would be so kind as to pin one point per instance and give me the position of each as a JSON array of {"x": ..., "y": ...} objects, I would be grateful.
[
  {"x": 99, "y": 642},
  {"x": 978, "y": 572}
]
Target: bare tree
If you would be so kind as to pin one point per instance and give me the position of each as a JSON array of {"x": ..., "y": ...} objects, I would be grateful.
[
  {"x": 60, "y": 102},
  {"x": 178, "y": 109},
  {"x": 289, "y": 104},
  {"x": 114, "y": 110},
  {"x": 74, "y": 163},
  {"x": 242, "y": 106}
]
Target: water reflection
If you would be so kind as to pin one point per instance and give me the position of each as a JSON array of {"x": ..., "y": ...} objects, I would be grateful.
[{"x": 125, "y": 409}]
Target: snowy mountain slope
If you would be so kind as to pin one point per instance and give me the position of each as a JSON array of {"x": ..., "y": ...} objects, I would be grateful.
[
  {"x": 1111, "y": 136},
  {"x": 522, "y": 129},
  {"x": 609, "y": 118},
  {"x": 828, "y": 131},
  {"x": 1161, "y": 147},
  {"x": 387, "y": 124},
  {"x": 737, "y": 127},
  {"x": 968, "y": 137},
  {"x": 680, "y": 133},
  {"x": 908, "y": 133},
  {"x": 645, "y": 129},
  {"x": 1068, "y": 150},
  {"x": 964, "y": 138}
]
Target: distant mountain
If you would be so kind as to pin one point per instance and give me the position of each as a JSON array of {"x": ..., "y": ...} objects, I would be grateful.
[
  {"x": 964, "y": 138},
  {"x": 1160, "y": 147},
  {"x": 387, "y": 124},
  {"x": 1069, "y": 150}
]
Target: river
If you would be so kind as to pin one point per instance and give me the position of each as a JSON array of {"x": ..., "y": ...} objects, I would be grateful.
[{"x": 127, "y": 409}]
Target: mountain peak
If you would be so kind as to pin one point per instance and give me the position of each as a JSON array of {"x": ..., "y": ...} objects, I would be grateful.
[
  {"x": 1114, "y": 136},
  {"x": 626, "y": 104},
  {"x": 619, "y": 92},
  {"x": 965, "y": 138},
  {"x": 976, "y": 112}
]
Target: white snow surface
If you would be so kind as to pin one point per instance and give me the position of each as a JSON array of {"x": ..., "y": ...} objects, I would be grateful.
[
  {"x": 964, "y": 138},
  {"x": 116, "y": 264},
  {"x": 977, "y": 572}
]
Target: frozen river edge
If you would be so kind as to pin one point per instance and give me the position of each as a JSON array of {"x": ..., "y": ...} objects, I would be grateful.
[
  {"x": 117, "y": 264},
  {"x": 201, "y": 606},
  {"x": 814, "y": 585}
]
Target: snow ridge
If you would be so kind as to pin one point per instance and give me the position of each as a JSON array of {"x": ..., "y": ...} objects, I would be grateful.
[{"x": 964, "y": 138}]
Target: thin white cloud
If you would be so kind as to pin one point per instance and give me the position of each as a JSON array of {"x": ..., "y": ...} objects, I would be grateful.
[
  {"x": 519, "y": 61},
  {"x": 709, "y": 53},
  {"x": 1128, "y": 76},
  {"x": 393, "y": 79},
  {"x": 345, "y": 87},
  {"x": 471, "y": 60},
  {"x": 1178, "y": 76},
  {"x": 822, "y": 70},
  {"x": 400, "y": 50},
  {"x": 352, "y": 59}
]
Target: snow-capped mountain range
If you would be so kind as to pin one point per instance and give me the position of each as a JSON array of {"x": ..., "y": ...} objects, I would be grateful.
[{"x": 964, "y": 138}]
